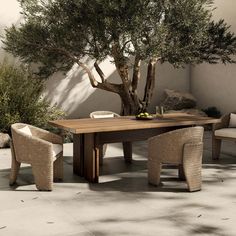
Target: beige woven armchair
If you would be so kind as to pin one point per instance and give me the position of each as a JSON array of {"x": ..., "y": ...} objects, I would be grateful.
[
  {"x": 40, "y": 148},
  {"x": 182, "y": 147},
  {"x": 225, "y": 130}
]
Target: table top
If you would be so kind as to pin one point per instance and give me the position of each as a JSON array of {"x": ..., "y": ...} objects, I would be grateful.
[{"x": 88, "y": 125}]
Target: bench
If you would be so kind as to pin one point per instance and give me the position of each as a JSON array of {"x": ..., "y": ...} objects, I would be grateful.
[{"x": 225, "y": 130}]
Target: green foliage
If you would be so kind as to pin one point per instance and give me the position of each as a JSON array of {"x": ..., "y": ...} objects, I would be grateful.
[
  {"x": 20, "y": 99},
  {"x": 58, "y": 33},
  {"x": 212, "y": 112}
]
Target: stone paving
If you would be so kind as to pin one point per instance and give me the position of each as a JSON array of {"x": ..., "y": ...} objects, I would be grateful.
[{"x": 122, "y": 203}]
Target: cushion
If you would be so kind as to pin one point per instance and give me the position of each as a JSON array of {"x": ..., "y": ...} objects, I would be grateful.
[
  {"x": 232, "y": 120},
  {"x": 56, "y": 149},
  {"x": 226, "y": 132},
  {"x": 26, "y": 130},
  {"x": 104, "y": 116}
]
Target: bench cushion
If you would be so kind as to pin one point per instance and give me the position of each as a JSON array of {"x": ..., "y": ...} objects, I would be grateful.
[
  {"x": 26, "y": 130},
  {"x": 56, "y": 149},
  {"x": 226, "y": 132}
]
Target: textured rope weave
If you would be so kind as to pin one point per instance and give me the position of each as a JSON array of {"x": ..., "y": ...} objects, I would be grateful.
[
  {"x": 182, "y": 147},
  {"x": 36, "y": 150}
]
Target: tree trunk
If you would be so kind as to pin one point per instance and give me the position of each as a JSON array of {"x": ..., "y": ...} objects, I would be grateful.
[
  {"x": 131, "y": 104},
  {"x": 127, "y": 90},
  {"x": 130, "y": 107},
  {"x": 150, "y": 83}
]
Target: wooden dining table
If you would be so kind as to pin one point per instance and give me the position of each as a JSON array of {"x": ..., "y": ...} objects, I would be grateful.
[{"x": 90, "y": 134}]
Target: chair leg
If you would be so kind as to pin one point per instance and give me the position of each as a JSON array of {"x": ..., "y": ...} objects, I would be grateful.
[
  {"x": 15, "y": 166},
  {"x": 216, "y": 147},
  {"x": 181, "y": 173},
  {"x": 192, "y": 164},
  {"x": 154, "y": 171},
  {"x": 43, "y": 176},
  {"x": 102, "y": 151},
  {"x": 58, "y": 168}
]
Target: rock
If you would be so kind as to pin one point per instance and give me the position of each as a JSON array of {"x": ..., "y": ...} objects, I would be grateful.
[
  {"x": 4, "y": 140},
  {"x": 195, "y": 112},
  {"x": 175, "y": 100}
]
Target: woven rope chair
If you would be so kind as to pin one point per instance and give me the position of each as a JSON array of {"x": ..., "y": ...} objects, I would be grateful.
[
  {"x": 101, "y": 115},
  {"x": 182, "y": 147},
  {"x": 41, "y": 149},
  {"x": 222, "y": 131}
]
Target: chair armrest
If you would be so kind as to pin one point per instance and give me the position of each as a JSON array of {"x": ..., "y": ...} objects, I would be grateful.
[
  {"x": 192, "y": 155},
  {"x": 175, "y": 135},
  {"x": 224, "y": 123},
  {"x": 30, "y": 149},
  {"x": 192, "y": 164},
  {"x": 192, "y": 148},
  {"x": 46, "y": 135},
  {"x": 169, "y": 146}
]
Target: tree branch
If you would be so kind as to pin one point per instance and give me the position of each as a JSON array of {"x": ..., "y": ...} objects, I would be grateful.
[
  {"x": 92, "y": 79},
  {"x": 110, "y": 87},
  {"x": 99, "y": 71},
  {"x": 136, "y": 73},
  {"x": 122, "y": 68},
  {"x": 123, "y": 48},
  {"x": 150, "y": 82},
  {"x": 115, "y": 88}
]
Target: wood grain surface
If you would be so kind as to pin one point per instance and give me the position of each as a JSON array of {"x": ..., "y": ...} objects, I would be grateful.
[{"x": 88, "y": 125}]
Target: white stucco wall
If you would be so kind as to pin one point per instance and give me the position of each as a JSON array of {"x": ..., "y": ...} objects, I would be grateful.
[
  {"x": 74, "y": 94},
  {"x": 215, "y": 85},
  {"x": 9, "y": 13}
]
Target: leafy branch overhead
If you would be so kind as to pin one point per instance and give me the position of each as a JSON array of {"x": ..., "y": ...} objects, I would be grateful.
[{"x": 57, "y": 33}]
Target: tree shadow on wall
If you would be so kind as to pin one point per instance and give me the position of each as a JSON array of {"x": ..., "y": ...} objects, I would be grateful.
[{"x": 74, "y": 94}]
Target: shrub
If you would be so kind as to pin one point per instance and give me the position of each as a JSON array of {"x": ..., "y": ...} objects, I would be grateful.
[
  {"x": 21, "y": 99},
  {"x": 212, "y": 112}
]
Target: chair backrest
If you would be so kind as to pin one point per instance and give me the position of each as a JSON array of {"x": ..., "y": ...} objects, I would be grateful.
[
  {"x": 22, "y": 134},
  {"x": 225, "y": 120},
  {"x": 169, "y": 146},
  {"x": 103, "y": 114},
  {"x": 18, "y": 140},
  {"x": 16, "y": 129},
  {"x": 231, "y": 120}
]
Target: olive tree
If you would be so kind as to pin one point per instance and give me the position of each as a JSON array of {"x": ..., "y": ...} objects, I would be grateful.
[{"x": 56, "y": 34}]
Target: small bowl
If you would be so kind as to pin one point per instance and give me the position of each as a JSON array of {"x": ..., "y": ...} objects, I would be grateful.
[{"x": 144, "y": 117}]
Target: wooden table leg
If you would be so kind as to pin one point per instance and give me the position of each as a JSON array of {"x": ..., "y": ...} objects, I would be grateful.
[
  {"x": 216, "y": 147},
  {"x": 181, "y": 172},
  {"x": 91, "y": 158},
  {"x": 127, "y": 149},
  {"x": 101, "y": 155},
  {"x": 78, "y": 154}
]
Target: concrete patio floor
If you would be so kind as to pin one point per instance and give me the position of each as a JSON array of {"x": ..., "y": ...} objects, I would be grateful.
[{"x": 122, "y": 203}]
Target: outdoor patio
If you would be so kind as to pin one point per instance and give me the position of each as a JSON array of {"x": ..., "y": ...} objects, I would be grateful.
[{"x": 122, "y": 203}]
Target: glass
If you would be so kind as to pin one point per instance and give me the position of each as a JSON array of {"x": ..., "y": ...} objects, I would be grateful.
[{"x": 159, "y": 111}]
